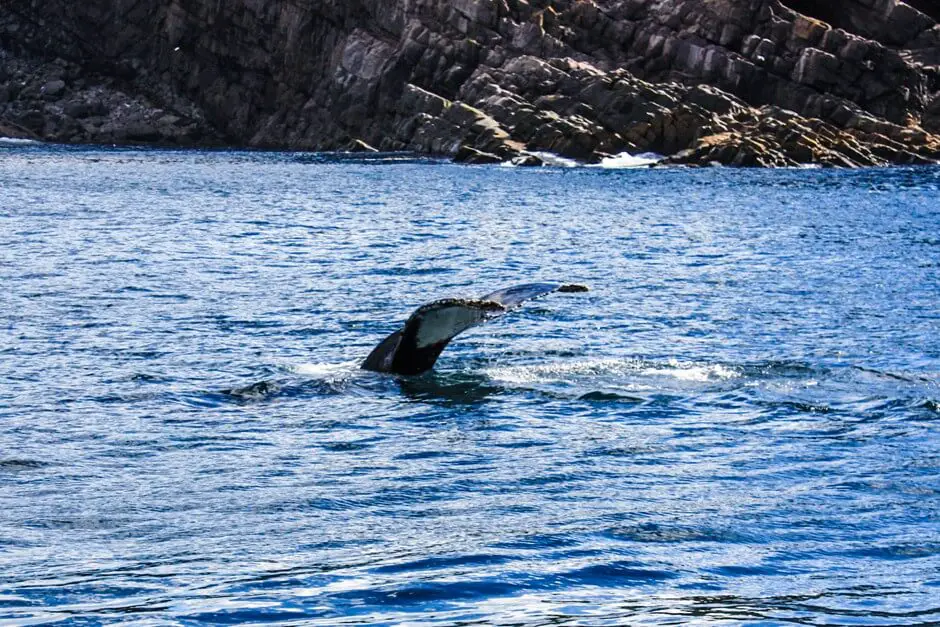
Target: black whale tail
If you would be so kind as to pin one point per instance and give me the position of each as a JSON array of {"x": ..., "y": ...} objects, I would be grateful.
[{"x": 415, "y": 347}]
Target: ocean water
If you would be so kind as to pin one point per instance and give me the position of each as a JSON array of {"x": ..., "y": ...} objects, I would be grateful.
[{"x": 739, "y": 424}]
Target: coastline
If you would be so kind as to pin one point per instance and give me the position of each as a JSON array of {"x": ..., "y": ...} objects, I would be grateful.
[{"x": 746, "y": 84}]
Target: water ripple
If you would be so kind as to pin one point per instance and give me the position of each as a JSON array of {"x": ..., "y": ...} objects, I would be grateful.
[{"x": 737, "y": 425}]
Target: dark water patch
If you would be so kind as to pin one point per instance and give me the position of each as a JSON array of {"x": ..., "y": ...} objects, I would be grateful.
[
  {"x": 610, "y": 397},
  {"x": 539, "y": 541},
  {"x": 799, "y": 407},
  {"x": 401, "y": 271},
  {"x": 750, "y": 571},
  {"x": 169, "y": 296},
  {"x": 427, "y": 593},
  {"x": 458, "y": 562},
  {"x": 425, "y": 455},
  {"x": 456, "y": 389},
  {"x": 254, "y": 392},
  {"x": 524, "y": 444},
  {"x": 255, "y": 615},
  {"x": 22, "y": 465},
  {"x": 616, "y": 574},
  {"x": 657, "y": 533},
  {"x": 349, "y": 447},
  {"x": 783, "y": 369},
  {"x": 144, "y": 377},
  {"x": 899, "y": 552},
  {"x": 931, "y": 405},
  {"x": 309, "y": 331},
  {"x": 615, "y": 451},
  {"x": 269, "y": 390}
]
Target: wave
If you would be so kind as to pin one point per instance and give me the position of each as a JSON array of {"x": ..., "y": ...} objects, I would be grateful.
[
  {"x": 559, "y": 372},
  {"x": 551, "y": 159},
  {"x": 18, "y": 141},
  {"x": 766, "y": 387},
  {"x": 625, "y": 160},
  {"x": 325, "y": 370},
  {"x": 620, "y": 161}
]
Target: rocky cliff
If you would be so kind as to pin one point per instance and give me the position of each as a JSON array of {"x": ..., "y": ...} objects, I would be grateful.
[{"x": 746, "y": 82}]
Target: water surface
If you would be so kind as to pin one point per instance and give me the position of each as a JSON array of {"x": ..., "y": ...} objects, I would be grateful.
[{"x": 738, "y": 424}]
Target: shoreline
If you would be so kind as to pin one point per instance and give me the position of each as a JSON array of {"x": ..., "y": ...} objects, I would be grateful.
[
  {"x": 760, "y": 85},
  {"x": 389, "y": 157}
]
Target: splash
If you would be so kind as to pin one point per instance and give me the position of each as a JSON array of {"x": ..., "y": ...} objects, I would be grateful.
[
  {"x": 626, "y": 160},
  {"x": 611, "y": 368},
  {"x": 620, "y": 161},
  {"x": 553, "y": 160},
  {"x": 325, "y": 370}
]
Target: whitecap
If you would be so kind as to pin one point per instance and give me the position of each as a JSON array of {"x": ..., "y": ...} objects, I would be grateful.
[
  {"x": 627, "y": 160},
  {"x": 551, "y": 159},
  {"x": 18, "y": 141},
  {"x": 685, "y": 371},
  {"x": 324, "y": 370},
  {"x": 633, "y": 368}
]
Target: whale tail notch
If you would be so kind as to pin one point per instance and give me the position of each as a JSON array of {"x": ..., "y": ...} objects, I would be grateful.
[{"x": 415, "y": 347}]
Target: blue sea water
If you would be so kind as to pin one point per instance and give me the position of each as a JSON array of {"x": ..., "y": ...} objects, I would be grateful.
[{"x": 739, "y": 424}]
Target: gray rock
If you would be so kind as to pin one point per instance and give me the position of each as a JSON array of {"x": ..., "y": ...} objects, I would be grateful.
[
  {"x": 53, "y": 89},
  {"x": 168, "y": 120},
  {"x": 77, "y": 109}
]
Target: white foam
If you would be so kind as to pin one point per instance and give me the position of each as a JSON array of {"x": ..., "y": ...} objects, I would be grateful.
[
  {"x": 322, "y": 371},
  {"x": 627, "y": 160},
  {"x": 632, "y": 368},
  {"x": 692, "y": 372},
  {"x": 521, "y": 375},
  {"x": 551, "y": 159},
  {"x": 622, "y": 160},
  {"x": 18, "y": 141}
]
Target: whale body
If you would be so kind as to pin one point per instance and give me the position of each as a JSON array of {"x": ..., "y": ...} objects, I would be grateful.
[{"x": 415, "y": 347}]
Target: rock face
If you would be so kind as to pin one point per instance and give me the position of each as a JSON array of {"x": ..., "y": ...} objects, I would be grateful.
[
  {"x": 56, "y": 101},
  {"x": 746, "y": 82}
]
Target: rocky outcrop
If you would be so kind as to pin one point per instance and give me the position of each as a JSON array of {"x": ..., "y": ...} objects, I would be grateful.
[
  {"x": 56, "y": 101},
  {"x": 746, "y": 82}
]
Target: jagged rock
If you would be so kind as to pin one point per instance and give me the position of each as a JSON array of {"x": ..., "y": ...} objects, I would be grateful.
[
  {"x": 780, "y": 138},
  {"x": 41, "y": 104},
  {"x": 485, "y": 79},
  {"x": 931, "y": 119}
]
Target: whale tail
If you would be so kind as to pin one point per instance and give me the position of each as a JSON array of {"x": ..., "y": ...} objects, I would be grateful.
[{"x": 415, "y": 347}]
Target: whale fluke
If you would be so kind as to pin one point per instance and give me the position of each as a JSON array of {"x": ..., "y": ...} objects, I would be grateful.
[{"x": 415, "y": 347}]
